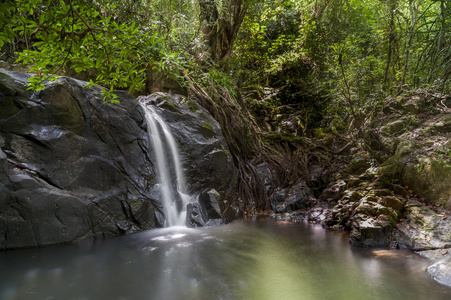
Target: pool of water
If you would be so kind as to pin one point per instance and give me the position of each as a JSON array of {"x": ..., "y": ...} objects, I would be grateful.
[{"x": 248, "y": 259}]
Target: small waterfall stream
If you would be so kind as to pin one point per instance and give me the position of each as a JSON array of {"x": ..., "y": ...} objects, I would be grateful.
[{"x": 169, "y": 169}]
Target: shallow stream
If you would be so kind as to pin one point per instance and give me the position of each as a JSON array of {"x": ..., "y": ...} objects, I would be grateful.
[{"x": 248, "y": 259}]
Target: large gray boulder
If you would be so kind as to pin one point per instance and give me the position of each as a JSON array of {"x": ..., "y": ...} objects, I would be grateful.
[
  {"x": 423, "y": 229},
  {"x": 429, "y": 233},
  {"x": 74, "y": 168}
]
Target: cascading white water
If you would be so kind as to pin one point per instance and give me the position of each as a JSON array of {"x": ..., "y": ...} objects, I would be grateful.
[{"x": 167, "y": 157}]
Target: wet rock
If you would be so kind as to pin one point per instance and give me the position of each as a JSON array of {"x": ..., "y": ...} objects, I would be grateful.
[
  {"x": 423, "y": 229},
  {"x": 204, "y": 154},
  {"x": 440, "y": 270},
  {"x": 266, "y": 177},
  {"x": 373, "y": 221},
  {"x": 340, "y": 216},
  {"x": 334, "y": 191},
  {"x": 369, "y": 214},
  {"x": 195, "y": 215},
  {"x": 205, "y": 212},
  {"x": 371, "y": 231},
  {"x": 73, "y": 167},
  {"x": 208, "y": 200},
  {"x": 358, "y": 165},
  {"x": 318, "y": 215},
  {"x": 277, "y": 200},
  {"x": 316, "y": 172},
  {"x": 300, "y": 196}
]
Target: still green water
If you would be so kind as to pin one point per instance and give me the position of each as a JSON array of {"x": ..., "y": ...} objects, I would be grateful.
[{"x": 248, "y": 259}]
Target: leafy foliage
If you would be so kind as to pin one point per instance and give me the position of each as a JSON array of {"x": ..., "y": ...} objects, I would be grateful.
[
  {"x": 350, "y": 54},
  {"x": 77, "y": 34}
]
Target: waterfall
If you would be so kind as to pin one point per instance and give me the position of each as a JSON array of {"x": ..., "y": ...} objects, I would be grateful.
[{"x": 169, "y": 169}]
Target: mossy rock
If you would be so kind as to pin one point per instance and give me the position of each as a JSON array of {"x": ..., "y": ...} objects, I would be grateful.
[
  {"x": 328, "y": 140},
  {"x": 358, "y": 165},
  {"x": 193, "y": 107},
  {"x": 382, "y": 192},
  {"x": 391, "y": 170},
  {"x": 391, "y": 201},
  {"x": 394, "y": 127},
  {"x": 350, "y": 196},
  {"x": 207, "y": 130},
  {"x": 166, "y": 104},
  {"x": 431, "y": 179},
  {"x": 443, "y": 125},
  {"x": 353, "y": 182},
  {"x": 406, "y": 147},
  {"x": 412, "y": 104},
  {"x": 400, "y": 190}
]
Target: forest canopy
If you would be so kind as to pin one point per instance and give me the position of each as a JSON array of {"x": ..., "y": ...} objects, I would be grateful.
[{"x": 330, "y": 58}]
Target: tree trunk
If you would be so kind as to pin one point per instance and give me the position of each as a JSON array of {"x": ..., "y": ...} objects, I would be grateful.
[
  {"x": 391, "y": 38},
  {"x": 220, "y": 27},
  {"x": 414, "y": 14}
]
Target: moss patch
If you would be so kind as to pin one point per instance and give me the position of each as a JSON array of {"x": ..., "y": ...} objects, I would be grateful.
[
  {"x": 169, "y": 106},
  {"x": 207, "y": 130},
  {"x": 431, "y": 179},
  {"x": 192, "y": 106}
]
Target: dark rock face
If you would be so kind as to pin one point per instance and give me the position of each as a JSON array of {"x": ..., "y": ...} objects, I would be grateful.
[
  {"x": 300, "y": 196},
  {"x": 73, "y": 168},
  {"x": 204, "y": 154},
  {"x": 334, "y": 191},
  {"x": 266, "y": 177},
  {"x": 205, "y": 212}
]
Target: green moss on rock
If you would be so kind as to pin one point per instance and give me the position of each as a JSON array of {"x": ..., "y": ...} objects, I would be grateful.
[
  {"x": 431, "y": 179},
  {"x": 207, "y": 130},
  {"x": 192, "y": 106}
]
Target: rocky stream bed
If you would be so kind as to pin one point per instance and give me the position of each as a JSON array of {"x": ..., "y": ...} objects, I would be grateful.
[
  {"x": 395, "y": 189},
  {"x": 73, "y": 168}
]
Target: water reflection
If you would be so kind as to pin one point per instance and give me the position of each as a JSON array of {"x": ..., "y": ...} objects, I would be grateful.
[{"x": 253, "y": 259}]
